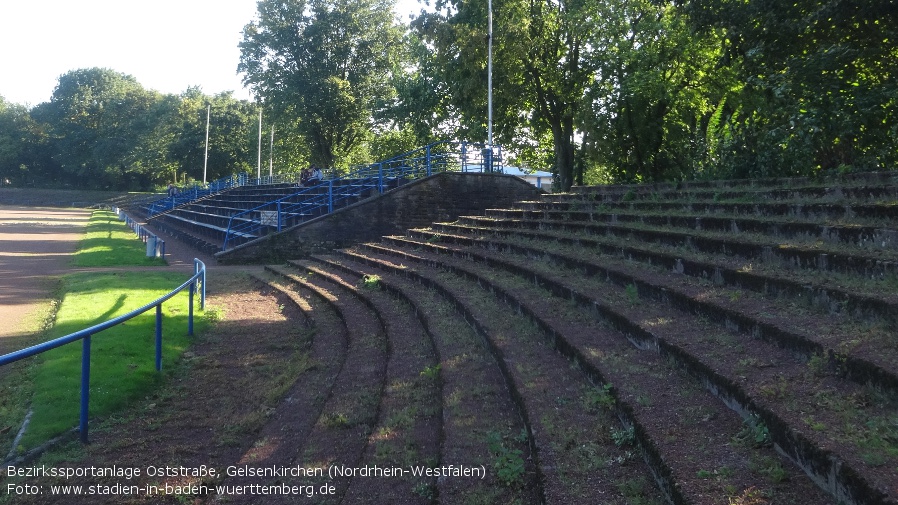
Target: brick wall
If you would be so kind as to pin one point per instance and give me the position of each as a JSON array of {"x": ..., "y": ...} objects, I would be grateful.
[{"x": 442, "y": 197}]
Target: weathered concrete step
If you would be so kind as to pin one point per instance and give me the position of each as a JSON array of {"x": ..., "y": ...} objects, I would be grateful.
[
  {"x": 843, "y": 180},
  {"x": 835, "y": 194},
  {"x": 281, "y": 440},
  {"x": 341, "y": 433},
  {"x": 811, "y": 450},
  {"x": 878, "y": 306},
  {"x": 817, "y": 211},
  {"x": 868, "y": 263},
  {"x": 409, "y": 426},
  {"x": 857, "y": 235},
  {"x": 476, "y": 401},
  {"x": 863, "y": 365},
  {"x": 642, "y": 384}
]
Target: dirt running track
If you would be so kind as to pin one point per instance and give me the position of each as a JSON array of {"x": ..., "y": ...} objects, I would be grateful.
[{"x": 36, "y": 245}]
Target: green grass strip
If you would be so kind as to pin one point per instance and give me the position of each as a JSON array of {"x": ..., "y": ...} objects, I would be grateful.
[
  {"x": 122, "y": 357},
  {"x": 108, "y": 241}
]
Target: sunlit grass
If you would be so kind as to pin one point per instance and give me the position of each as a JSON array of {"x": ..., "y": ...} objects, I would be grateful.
[
  {"x": 110, "y": 242},
  {"x": 122, "y": 358}
]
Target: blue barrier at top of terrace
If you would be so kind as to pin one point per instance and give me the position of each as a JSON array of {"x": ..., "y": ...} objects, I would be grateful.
[
  {"x": 196, "y": 192},
  {"x": 324, "y": 197}
]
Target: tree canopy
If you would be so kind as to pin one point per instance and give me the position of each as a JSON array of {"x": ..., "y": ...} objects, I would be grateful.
[
  {"x": 596, "y": 91},
  {"x": 324, "y": 66}
]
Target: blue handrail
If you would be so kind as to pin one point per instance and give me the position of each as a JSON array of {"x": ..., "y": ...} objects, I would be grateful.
[
  {"x": 199, "y": 277},
  {"x": 156, "y": 245},
  {"x": 310, "y": 202},
  {"x": 194, "y": 193}
]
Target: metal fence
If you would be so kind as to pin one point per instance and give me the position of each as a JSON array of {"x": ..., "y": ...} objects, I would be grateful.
[
  {"x": 195, "y": 192},
  {"x": 155, "y": 245},
  {"x": 197, "y": 283},
  {"x": 324, "y": 197}
]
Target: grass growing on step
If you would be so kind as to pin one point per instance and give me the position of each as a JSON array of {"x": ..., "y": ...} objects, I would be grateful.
[
  {"x": 122, "y": 358},
  {"x": 109, "y": 242}
]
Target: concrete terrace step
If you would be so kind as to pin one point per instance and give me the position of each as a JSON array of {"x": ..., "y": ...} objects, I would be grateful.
[
  {"x": 868, "y": 301},
  {"x": 845, "y": 181},
  {"x": 771, "y": 397},
  {"x": 474, "y": 400},
  {"x": 351, "y": 409},
  {"x": 694, "y": 417},
  {"x": 770, "y": 249},
  {"x": 772, "y": 224}
]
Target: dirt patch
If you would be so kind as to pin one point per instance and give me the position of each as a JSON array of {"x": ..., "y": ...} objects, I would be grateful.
[{"x": 36, "y": 245}]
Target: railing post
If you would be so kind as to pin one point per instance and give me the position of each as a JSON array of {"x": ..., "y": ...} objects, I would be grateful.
[
  {"x": 380, "y": 177},
  {"x": 464, "y": 156},
  {"x": 279, "y": 215},
  {"x": 85, "y": 387},
  {"x": 159, "y": 337},
  {"x": 196, "y": 270},
  {"x": 427, "y": 160},
  {"x": 330, "y": 196},
  {"x": 190, "y": 309}
]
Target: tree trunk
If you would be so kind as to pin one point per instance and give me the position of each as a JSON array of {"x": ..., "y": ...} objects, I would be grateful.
[{"x": 563, "y": 140}]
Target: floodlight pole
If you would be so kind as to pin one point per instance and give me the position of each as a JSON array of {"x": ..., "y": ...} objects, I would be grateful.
[
  {"x": 259, "y": 161},
  {"x": 271, "y": 154},
  {"x": 206, "y": 158},
  {"x": 489, "y": 84}
]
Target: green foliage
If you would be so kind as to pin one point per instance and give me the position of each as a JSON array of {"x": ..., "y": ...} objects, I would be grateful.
[
  {"x": 122, "y": 358},
  {"x": 233, "y": 138},
  {"x": 431, "y": 372},
  {"x": 623, "y": 437},
  {"x": 595, "y": 399},
  {"x": 632, "y": 293},
  {"x": 508, "y": 462},
  {"x": 599, "y": 92},
  {"x": 371, "y": 281},
  {"x": 754, "y": 432},
  {"x": 819, "y": 94},
  {"x": 102, "y": 130},
  {"x": 322, "y": 65}
]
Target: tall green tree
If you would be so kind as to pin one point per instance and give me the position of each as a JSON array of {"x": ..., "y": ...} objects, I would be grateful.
[
  {"x": 233, "y": 130},
  {"x": 540, "y": 74},
  {"x": 323, "y": 66},
  {"x": 655, "y": 93},
  {"x": 96, "y": 117},
  {"x": 820, "y": 90},
  {"x": 14, "y": 142}
]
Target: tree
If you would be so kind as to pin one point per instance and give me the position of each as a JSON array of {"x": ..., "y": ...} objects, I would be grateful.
[
  {"x": 820, "y": 82},
  {"x": 656, "y": 90},
  {"x": 541, "y": 68},
  {"x": 96, "y": 117},
  {"x": 322, "y": 65},
  {"x": 13, "y": 142},
  {"x": 232, "y": 135}
]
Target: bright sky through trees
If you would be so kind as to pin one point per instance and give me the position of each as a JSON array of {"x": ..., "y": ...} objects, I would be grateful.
[{"x": 167, "y": 45}]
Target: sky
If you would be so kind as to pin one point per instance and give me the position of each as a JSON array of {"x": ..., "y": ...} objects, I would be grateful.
[{"x": 167, "y": 45}]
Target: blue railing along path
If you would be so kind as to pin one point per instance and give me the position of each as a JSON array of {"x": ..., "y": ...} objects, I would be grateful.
[{"x": 199, "y": 277}]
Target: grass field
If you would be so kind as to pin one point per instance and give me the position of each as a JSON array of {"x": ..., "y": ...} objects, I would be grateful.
[
  {"x": 122, "y": 358},
  {"x": 109, "y": 242}
]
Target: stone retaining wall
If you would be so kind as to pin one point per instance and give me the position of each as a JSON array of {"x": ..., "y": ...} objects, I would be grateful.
[{"x": 442, "y": 197}]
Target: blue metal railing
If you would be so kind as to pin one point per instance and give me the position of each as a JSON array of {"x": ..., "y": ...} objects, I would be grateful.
[
  {"x": 199, "y": 277},
  {"x": 155, "y": 245},
  {"x": 322, "y": 198},
  {"x": 194, "y": 193}
]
